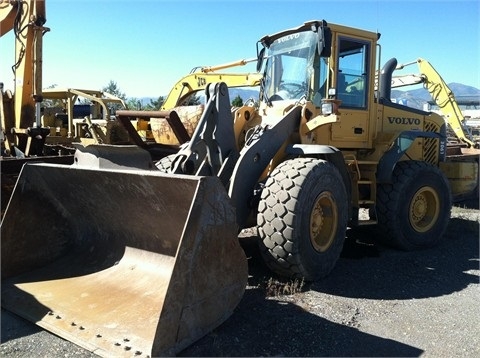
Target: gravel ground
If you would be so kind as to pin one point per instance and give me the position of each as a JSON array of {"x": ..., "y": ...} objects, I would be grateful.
[{"x": 376, "y": 302}]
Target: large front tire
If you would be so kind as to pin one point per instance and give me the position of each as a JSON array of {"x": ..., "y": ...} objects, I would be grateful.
[
  {"x": 302, "y": 218},
  {"x": 413, "y": 212}
]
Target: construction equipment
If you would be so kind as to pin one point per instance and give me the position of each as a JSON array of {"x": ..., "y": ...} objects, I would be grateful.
[
  {"x": 175, "y": 107},
  {"x": 94, "y": 125},
  {"x": 21, "y": 112},
  {"x": 199, "y": 77},
  {"x": 441, "y": 94},
  {"x": 30, "y": 131},
  {"x": 24, "y": 131},
  {"x": 144, "y": 259}
]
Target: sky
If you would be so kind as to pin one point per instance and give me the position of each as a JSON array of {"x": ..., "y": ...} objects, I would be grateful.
[{"x": 146, "y": 46}]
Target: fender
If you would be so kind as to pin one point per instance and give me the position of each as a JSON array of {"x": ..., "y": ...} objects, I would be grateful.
[
  {"x": 401, "y": 144},
  {"x": 254, "y": 158},
  {"x": 330, "y": 154}
]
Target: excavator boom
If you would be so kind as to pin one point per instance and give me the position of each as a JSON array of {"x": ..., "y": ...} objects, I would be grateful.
[
  {"x": 440, "y": 92},
  {"x": 27, "y": 20},
  {"x": 198, "y": 78}
]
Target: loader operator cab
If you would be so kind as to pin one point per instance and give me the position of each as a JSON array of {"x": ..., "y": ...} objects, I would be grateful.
[{"x": 296, "y": 64}]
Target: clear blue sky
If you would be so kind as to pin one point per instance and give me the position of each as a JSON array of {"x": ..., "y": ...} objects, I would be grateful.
[{"x": 145, "y": 46}]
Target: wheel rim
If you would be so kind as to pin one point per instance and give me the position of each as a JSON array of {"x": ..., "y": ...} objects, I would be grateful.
[
  {"x": 323, "y": 222},
  {"x": 424, "y": 209}
]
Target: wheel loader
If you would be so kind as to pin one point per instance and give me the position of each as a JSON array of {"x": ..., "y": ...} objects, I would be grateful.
[{"x": 130, "y": 257}]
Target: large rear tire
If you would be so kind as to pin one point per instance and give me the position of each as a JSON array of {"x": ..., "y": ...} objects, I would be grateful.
[
  {"x": 302, "y": 218},
  {"x": 413, "y": 212}
]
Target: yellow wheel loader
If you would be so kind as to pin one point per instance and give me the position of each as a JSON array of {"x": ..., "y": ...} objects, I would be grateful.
[{"x": 129, "y": 257}]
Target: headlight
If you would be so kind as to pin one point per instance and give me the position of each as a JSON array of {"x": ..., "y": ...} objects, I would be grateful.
[
  {"x": 330, "y": 106},
  {"x": 327, "y": 108}
]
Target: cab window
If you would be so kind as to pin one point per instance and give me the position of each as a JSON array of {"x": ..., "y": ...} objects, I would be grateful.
[{"x": 352, "y": 73}]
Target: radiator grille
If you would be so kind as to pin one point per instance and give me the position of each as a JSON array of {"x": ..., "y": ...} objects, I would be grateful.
[{"x": 431, "y": 145}]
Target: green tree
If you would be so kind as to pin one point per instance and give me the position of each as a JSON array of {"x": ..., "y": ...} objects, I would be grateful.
[
  {"x": 193, "y": 100},
  {"x": 113, "y": 88},
  {"x": 237, "y": 101},
  {"x": 155, "y": 105},
  {"x": 135, "y": 104}
]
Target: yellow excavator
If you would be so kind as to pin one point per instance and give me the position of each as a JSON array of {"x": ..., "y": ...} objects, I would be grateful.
[
  {"x": 176, "y": 121},
  {"x": 199, "y": 77},
  {"x": 441, "y": 95},
  {"x": 21, "y": 112},
  {"x": 142, "y": 258},
  {"x": 30, "y": 130}
]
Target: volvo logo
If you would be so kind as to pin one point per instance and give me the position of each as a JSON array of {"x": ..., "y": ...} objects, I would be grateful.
[
  {"x": 288, "y": 38},
  {"x": 404, "y": 120}
]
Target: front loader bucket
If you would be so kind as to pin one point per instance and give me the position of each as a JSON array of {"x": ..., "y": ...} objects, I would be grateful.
[{"x": 123, "y": 263}]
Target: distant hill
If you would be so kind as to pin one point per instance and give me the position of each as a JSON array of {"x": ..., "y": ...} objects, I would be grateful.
[
  {"x": 244, "y": 93},
  {"x": 417, "y": 98}
]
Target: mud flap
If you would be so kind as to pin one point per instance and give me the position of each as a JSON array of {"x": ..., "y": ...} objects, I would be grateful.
[{"x": 123, "y": 263}]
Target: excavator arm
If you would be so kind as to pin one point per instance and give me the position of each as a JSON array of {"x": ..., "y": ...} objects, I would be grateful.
[
  {"x": 27, "y": 19},
  {"x": 198, "y": 79},
  {"x": 440, "y": 92},
  {"x": 7, "y": 16}
]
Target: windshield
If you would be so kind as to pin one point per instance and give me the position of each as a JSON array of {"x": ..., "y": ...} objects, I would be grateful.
[{"x": 289, "y": 66}]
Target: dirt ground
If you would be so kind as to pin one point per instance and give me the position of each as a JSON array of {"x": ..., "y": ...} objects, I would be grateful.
[{"x": 376, "y": 302}]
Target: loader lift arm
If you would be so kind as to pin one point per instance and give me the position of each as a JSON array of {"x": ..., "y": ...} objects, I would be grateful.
[{"x": 440, "y": 92}]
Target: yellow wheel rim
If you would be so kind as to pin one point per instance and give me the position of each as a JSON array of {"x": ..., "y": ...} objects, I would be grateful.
[
  {"x": 323, "y": 222},
  {"x": 424, "y": 209}
]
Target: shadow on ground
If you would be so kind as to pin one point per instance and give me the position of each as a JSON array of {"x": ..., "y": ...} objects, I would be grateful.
[{"x": 263, "y": 327}]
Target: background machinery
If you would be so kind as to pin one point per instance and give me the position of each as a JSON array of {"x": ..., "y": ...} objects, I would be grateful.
[
  {"x": 143, "y": 257},
  {"x": 441, "y": 95},
  {"x": 21, "y": 125},
  {"x": 176, "y": 121},
  {"x": 44, "y": 124}
]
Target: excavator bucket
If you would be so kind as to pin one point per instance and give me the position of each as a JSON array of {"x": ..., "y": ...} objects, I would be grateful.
[{"x": 121, "y": 262}]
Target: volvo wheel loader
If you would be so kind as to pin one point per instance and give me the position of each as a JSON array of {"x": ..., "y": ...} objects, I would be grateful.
[{"x": 129, "y": 257}]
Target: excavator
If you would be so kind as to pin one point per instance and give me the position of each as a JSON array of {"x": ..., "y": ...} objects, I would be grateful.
[
  {"x": 176, "y": 121},
  {"x": 21, "y": 113},
  {"x": 199, "y": 77},
  {"x": 31, "y": 131},
  {"x": 458, "y": 136},
  {"x": 440, "y": 93},
  {"x": 142, "y": 258}
]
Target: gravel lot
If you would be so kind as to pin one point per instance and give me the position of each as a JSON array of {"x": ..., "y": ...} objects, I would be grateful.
[{"x": 376, "y": 302}]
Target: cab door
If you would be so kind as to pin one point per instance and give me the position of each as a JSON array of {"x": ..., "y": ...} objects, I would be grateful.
[{"x": 352, "y": 88}]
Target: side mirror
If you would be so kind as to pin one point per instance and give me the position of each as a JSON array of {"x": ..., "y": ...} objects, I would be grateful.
[
  {"x": 324, "y": 38},
  {"x": 326, "y": 41},
  {"x": 260, "y": 57}
]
